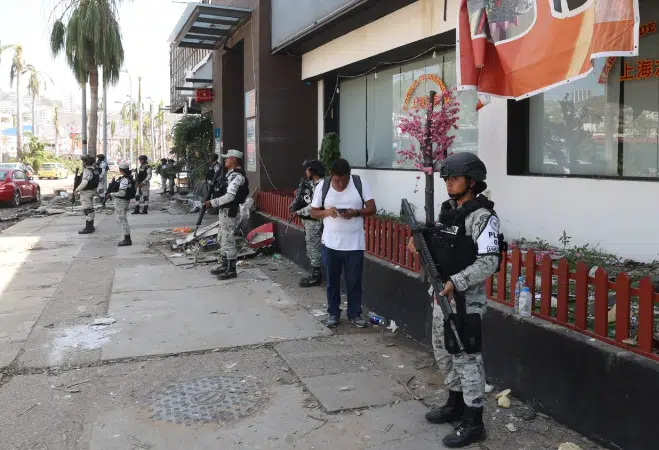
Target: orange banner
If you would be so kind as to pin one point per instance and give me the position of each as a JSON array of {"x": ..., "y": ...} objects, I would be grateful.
[{"x": 518, "y": 48}]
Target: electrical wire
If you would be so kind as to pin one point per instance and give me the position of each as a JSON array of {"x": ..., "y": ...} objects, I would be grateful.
[{"x": 375, "y": 68}]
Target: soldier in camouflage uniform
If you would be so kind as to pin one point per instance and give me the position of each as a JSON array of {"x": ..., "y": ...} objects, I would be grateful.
[
  {"x": 87, "y": 191},
  {"x": 122, "y": 197},
  {"x": 471, "y": 256},
  {"x": 314, "y": 172},
  {"x": 233, "y": 191},
  {"x": 144, "y": 174}
]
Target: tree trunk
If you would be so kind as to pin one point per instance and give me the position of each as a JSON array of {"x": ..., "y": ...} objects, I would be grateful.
[
  {"x": 93, "y": 112},
  {"x": 19, "y": 116}
]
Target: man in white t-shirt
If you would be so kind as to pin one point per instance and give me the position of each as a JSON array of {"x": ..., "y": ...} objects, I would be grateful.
[{"x": 342, "y": 201}]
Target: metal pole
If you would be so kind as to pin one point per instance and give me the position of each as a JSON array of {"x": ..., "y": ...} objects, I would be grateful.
[
  {"x": 140, "y": 136},
  {"x": 428, "y": 163},
  {"x": 152, "y": 138},
  {"x": 84, "y": 119},
  {"x": 105, "y": 119}
]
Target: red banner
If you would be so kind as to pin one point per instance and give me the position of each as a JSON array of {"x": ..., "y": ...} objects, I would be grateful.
[
  {"x": 518, "y": 48},
  {"x": 204, "y": 95}
]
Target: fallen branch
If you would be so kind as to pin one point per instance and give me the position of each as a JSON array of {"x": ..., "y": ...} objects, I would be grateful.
[{"x": 27, "y": 410}]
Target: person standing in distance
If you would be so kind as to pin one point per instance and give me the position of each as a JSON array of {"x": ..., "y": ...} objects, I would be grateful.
[
  {"x": 87, "y": 191},
  {"x": 171, "y": 165},
  {"x": 122, "y": 196},
  {"x": 314, "y": 172},
  {"x": 144, "y": 173},
  {"x": 342, "y": 201},
  {"x": 102, "y": 167},
  {"x": 163, "y": 174},
  {"x": 233, "y": 191},
  {"x": 469, "y": 252}
]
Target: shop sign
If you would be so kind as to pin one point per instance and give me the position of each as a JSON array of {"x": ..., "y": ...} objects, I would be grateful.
[
  {"x": 204, "y": 95},
  {"x": 422, "y": 102}
]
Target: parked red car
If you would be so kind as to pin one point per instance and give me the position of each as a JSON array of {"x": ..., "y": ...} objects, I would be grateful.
[{"x": 16, "y": 187}]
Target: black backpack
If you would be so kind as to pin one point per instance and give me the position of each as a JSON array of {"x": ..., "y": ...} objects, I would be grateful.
[{"x": 328, "y": 183}]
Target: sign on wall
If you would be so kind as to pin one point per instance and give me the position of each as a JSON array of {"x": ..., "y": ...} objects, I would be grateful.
[
  {"x": 218, "y": 141},
  {"x": 251, "y": 145},
  {"x": 250, "y": 104}
]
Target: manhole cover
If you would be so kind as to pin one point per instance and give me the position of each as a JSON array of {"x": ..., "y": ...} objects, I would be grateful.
[{"x": 208, "y": 400}]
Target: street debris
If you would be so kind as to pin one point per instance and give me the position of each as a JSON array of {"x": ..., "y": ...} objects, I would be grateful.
[
  {"x": 346, "y": 388},
  {"x": 568, "y": 446},
  {"x": 103, "y": 321},
  {"x": 318, "y": 313},
  {"x": 511, "y": 427},
  {"x": 392, "y": 326},
  {"x": 33, "y": 406},
  {"x": 488, "y": 388},
  {"x": 502, "y": 398},
  {"x": 182, "y": 230}
]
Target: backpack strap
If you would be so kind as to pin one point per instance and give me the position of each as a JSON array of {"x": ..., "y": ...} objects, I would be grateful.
[{"x": 327, "y": 182}]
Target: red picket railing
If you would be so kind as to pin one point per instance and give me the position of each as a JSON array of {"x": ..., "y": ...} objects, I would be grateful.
[
  {"x": 557, "y": 274},
  {"x": 387, "y": 240}
]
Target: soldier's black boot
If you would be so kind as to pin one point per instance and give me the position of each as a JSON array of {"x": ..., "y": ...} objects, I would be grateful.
[
  {"x": 471, "y": 429},
  {"x": 136, "y": 210},
  {"x": 314, "y": 278},
  {"x": 452, "y": 411},
  {"x": 145, "y": 210},
  {"x": 126, "y": 242},
  {"x": 230, "y": 273},
  {"x": 224, "y": 265},
  {"x": 89, "y": 227}
]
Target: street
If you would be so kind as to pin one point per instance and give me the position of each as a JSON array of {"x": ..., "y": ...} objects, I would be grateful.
[
  {"x": 181, "y": 360},
  {"x": 49, "y": 186}
]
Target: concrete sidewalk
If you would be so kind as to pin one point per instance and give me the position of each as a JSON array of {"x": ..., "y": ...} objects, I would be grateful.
[{"x": 195, "y": 363}]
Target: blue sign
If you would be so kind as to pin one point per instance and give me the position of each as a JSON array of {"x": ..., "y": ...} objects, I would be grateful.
[{"x": 217, "y": 133}]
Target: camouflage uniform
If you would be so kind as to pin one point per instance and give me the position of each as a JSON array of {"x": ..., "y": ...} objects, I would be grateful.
[
  {"x": 121, "y": 205},
  {"x": 103, "y": 177},
  {"x": 465, "y": 372},
  {"x": 143, "y": 192},
  {"x": 87, "y": 195},
  {"x": 312, "y": 228},
  {"x": 226, "y": 234}
]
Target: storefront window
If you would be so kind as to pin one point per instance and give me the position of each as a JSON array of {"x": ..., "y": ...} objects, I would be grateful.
[
  {"x": 606, "y": 124},
  {"x": 372, "y": 106}
]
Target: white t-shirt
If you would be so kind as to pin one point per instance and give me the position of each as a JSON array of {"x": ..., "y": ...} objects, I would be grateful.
[{"x": 339, "y": 233}]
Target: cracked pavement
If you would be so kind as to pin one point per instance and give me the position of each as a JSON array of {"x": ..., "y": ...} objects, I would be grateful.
[{"x": 195, "y": 363}]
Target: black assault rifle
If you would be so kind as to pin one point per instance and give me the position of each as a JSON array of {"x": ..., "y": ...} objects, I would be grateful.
[
  {"x": 430, "y": 269},
  {"x": 297, "y": 203},
  {"x": 112, "y": 187},
  {"x": 77, "y": 179},
  {"x": 218, "y": 175}
]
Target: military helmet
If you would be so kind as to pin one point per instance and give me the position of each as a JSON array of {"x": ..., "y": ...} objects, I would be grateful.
[
  {"x": 124, "y": 166},
  {"x": 101, "y": 157},
  {"x": 143, "y": 158},
  {"x": 315, "y": 167},
  {"x": 463, "y": 164}
]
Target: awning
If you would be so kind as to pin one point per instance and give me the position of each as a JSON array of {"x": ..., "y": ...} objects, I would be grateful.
[{"x": 208, "y": 26}]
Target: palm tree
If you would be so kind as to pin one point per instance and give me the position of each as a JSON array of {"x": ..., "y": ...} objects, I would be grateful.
[
  {"x": 88, "y": 32},
  {"x": 56, "y": 124},
  {"x": 17, "y": 69},
  {"x": 34, "y": 88},
  {"x": 113, "y": 130}
]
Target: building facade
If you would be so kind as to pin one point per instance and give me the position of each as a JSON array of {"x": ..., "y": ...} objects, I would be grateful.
[
  {"x": 260, "y": 105},
  {"x": 582, "y": 158}
]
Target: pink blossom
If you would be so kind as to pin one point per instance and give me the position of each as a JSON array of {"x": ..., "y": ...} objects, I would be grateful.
[{"x": 444, "y": 120}]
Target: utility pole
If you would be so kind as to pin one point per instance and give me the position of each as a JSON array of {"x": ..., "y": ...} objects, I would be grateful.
[
  {"x": 105, "y": 119},
  {"x": 153, "y": 135},
  {"x": 84, "y": 119},
  {"x": 140, "y": 136}
]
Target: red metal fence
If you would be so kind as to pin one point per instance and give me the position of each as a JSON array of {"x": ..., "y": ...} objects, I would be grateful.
[{"x": 634, "y": 305}]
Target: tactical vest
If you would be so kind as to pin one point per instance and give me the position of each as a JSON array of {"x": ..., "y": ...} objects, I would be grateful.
[
  {"x": 93, "y": 183},
  {"x": 210, "y": 172},
  {"x": 241, "y": 195},
  {"x": 452, "y": 249},
  {"x": 142, "y": 173}
]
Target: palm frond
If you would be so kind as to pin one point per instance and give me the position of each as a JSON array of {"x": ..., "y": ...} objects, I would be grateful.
[{"x": 57, "y": 37}]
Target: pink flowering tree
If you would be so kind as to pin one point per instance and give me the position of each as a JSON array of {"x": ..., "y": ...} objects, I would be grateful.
[
  {"x": 433, "y": 128},
  {"x": 444, "y": 122}
]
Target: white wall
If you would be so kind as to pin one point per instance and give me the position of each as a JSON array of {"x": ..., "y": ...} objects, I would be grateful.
[{"x": 420, "y": 20}]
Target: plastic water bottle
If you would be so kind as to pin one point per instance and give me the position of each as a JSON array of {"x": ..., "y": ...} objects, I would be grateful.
[
  {"x": 524, "y": 305},
  {"x": 518, "y": 290}
]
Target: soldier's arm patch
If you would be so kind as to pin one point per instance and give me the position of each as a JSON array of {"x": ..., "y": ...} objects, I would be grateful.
[{"x": 487, "y": 235}]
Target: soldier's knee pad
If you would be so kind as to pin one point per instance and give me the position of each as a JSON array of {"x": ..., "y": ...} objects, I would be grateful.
[
  {"x": 472, "y": 333},
  {"x": 87, "y": 212},
  {"x": 145, "y": 198}
]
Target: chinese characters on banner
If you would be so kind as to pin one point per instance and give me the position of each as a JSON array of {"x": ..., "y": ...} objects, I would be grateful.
[
  {"x": 518, "y": 48},
  {"x": 250, "y": 125},
  {"x": 644, "y": 67}
]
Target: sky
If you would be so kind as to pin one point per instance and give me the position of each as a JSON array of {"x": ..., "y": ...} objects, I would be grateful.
[{"x": 145, "y": 26}]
